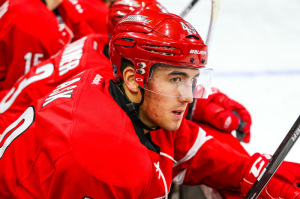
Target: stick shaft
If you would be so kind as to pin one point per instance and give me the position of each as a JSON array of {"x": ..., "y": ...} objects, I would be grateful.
[
  {"x": 188, "y": 8},
  {"x": 276, "y": 160}
]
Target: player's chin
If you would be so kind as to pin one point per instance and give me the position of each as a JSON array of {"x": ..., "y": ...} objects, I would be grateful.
[{"x": 172, "y": 126}]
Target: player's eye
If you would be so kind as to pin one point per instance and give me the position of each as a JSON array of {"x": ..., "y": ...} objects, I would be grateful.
[{"x": 175, "y": 79}]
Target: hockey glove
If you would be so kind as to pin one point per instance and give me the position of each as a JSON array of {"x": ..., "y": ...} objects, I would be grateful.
[
  {"x": 284, "y": 184},
  {"x": 225, "y": 114}
]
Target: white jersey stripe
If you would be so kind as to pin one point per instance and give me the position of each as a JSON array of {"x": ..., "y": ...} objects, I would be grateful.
[
  {"x": 179, "y": 178},
  {"x": 168, "y": 156},
  {"x": 3, "y": 8},
  {"x": 201, "y": 139}
]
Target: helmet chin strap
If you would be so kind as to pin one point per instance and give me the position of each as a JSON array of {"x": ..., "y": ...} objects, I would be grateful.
[{"x": 134, "y": 108}]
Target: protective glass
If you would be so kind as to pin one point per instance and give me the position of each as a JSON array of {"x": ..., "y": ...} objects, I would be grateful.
[{"x": 179, "y": 81}]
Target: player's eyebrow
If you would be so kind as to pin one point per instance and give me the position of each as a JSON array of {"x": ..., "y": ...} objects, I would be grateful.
[{"x": 174, "y": 73}]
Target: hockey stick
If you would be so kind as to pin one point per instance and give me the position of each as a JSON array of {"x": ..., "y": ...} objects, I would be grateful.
[
  {"x": 275, "y": 161},
  {"x": 187, "y": 9},
  {"x": 215, "y": 7}
]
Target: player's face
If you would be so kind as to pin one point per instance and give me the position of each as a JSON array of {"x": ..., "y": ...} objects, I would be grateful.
[{"x": 164, "y": 104}]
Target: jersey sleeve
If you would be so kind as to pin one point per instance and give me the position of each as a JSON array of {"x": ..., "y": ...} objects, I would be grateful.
[{"x": 201, "y": 159}]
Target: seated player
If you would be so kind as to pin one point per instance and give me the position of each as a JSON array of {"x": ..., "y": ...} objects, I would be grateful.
[{"x": 77, "y": 137}]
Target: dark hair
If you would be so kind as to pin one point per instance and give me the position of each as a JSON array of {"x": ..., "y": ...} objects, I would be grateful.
[{"x": 125, "y": 63}]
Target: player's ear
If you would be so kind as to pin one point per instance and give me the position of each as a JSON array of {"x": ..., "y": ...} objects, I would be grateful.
[{"x": 129, "y": 80}]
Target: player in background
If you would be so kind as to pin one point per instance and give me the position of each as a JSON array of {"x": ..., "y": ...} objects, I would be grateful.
[
  {"x": 94, "y": 12},
  {"x": 75, "y": 143},
  {"x": 30, "y": 32}
]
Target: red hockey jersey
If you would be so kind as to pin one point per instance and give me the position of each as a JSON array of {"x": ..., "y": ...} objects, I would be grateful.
[
  {"x": 30, "y": 33},
  {"x": 77, "y": 142},
  {"x": 73, "y": 19},
  {"x": 41, "y": 79},
  {"x": 95, "y": 14}
]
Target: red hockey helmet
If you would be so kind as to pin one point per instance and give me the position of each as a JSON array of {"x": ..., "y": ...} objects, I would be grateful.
[
  {"x": 146, "y": 38},
  {"x": 121, "y": 8}
]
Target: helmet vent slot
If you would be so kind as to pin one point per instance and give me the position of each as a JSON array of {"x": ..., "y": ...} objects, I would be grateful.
[
  {"x": 170, "y": 47},
  {"x": 154, "y": 51},
  {"x": 192, "y": 36},
  {"x": 170, "y": 54},
  {"x": 154, "y": 46},
  {"x": 164, "y": 50}
]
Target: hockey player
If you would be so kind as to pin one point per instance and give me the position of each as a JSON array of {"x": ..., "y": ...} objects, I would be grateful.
[
  {"x": 89, "y": 138},
  {"x": 218, "y": 110},
  {"x": 30, "y": 33}
]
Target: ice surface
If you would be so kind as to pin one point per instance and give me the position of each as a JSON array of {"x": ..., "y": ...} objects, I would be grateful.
[{"x": 255, "y": 53}]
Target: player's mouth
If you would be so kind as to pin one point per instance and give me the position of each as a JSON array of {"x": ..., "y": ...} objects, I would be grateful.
[{"x": 178, "y": 114}]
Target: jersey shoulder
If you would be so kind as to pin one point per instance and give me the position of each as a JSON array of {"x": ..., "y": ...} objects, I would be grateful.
[
  {"x": 104, "y": 137},
  {"x": 101, "y": 135}
]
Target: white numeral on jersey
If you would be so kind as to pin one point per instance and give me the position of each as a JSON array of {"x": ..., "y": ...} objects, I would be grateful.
[
  {"x": 188, "y": 27},
  {"x": 41, "y": 72},
  {"x": 28, "y": 60},
  {"x": 22, "y": 124}
]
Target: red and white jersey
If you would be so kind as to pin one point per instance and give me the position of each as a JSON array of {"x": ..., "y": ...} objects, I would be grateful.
[
  {"x": 199, "y": 158},
  {"x": 77, "y": 142},
  {"x": 41, "y": 79},
  {"x": 31, "y": 33}
]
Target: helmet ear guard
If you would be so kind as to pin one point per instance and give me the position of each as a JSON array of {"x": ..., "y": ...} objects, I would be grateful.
[{"x": 139, "y": 79}]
